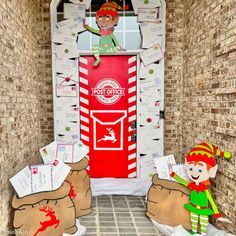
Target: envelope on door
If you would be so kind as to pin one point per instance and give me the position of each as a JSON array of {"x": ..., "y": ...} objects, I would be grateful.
[
  {"x": 66, "y": 51},
  {"x": 145, "y": 4},
  {"x": 86, "y": 2},
  {"x": 150, "y": 120},
  {"x": 61, "y": 37},
  {"x": 66, "y": 66},
  {"x": 74, "y": 10},
  {"x": 67, "y": 131},
  {"x": 150, "y": 95},
  {"x": 152, "y": 71},
  {"x": 67, "y": 91},
  {"x": 147, "y": 166},
  {"x": 150, "y": 41},
  {"x": 67, "y": 79},
  {"x": 67, "y": 108},
  {"x": 149, "y": 146},
  {"x": 72, "y": 25}
]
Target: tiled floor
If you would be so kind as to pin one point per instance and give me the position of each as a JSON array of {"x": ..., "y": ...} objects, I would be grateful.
[{"x": 118, "y": 215}]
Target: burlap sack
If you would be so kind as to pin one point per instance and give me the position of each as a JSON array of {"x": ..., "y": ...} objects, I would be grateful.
[
  {"x": 46, "y": 213},
  {"x": 165, "y": 203},
  {"x": 80, "y": 192}
]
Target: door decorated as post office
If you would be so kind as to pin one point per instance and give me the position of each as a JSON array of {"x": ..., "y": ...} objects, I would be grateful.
[{"x": 108, "y": 100}]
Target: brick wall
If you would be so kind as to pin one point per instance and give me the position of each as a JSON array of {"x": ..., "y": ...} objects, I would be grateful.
[
  {"x": 209, "y": 91},
  {"x": 19, "y": 96}
]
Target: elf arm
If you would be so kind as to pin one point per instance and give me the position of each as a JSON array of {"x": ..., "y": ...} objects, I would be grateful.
[
  {"x": 213, "y": 205},
  {"x": 92, "y": 30},
  {"x": 179, "y": 179}
]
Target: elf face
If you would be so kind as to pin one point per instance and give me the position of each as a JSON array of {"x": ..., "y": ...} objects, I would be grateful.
[
  {"x": 197, "y": 171},
  {"x": 106, "y": 22}
]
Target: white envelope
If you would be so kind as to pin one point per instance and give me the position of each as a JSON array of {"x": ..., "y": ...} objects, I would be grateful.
[
  {"x": 86, "y": 2},
  {"x": 67, "y": 131},
  {"x": 81, "y": 151},
  {"x": 150, "y": 146},
  {"x": 41, "y": 178},
  {"x": 150, "y": 41},
  {"x": 150, "y": 95},
  {"x": 74, "y": 10},
  {"x": 67, "y": 79},
  {"x": 152, "y": 29},
  {"x": 147, "y": 166},
  {"x": 147, "y": 14},
  {"x": 150, "y": 120},
  {"x": 67, "y": 108},
  {"x": 66, "y": 66},
  {"x": 152, "y": 72},
  {"x": 73, "y": 25},
  {"x": 62, "y": 37},
  {"x": 21, "y": 182},
  {"x": 162, "y": 166},
  {"x": 59, "y": 173},
  {"x": 66, "y": 51},
  {"x": 48, "y": 153},
  {"x": 145, "y": 4},
  {"x": 67, "y": 91},
  {"x": 151, "y": 55}
]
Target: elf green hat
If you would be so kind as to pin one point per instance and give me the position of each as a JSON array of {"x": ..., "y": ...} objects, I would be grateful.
[{"x": 206, "y": 152}]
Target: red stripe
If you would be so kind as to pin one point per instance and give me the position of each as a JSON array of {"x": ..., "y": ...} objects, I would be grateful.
[{"x": 201, "y": 149}]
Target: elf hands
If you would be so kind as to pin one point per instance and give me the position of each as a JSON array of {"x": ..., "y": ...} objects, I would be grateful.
[{"x": 84, "y": 24}]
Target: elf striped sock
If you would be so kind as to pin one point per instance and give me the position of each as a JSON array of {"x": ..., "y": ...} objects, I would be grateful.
[
  {"x": 194, "y": 221},
  {"x": 204, "y": 224}
]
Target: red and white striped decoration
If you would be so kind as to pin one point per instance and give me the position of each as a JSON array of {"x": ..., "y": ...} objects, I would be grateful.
[
  {"x": 132, "y": 116},
  {"x": 84, "y": 102}
]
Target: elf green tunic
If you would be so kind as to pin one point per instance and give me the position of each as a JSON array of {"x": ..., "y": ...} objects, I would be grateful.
[{"x": 199, "y": 200}]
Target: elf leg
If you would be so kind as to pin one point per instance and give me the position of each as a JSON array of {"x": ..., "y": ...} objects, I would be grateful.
[
  {"x": 96, "y": 52},
  {"x": 204, "y": 224},
  {"x": 194, "y": 221}
]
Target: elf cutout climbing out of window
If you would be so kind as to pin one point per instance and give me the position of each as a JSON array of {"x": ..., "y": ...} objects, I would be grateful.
[
  {"x": 201, "y": 166},
  {"x": 107, "y": 18}
]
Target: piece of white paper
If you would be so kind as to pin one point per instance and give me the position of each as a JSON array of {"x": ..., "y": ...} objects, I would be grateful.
[
  {"x": 21, "y": 182},
  {"x": 150, "y": 146},
  {"x": 145, "y": 4},
  {"x": 81, "y": 151},
  {"x": 67, "y": 108},
  {"x": 66, "y": 91},
  {"x": 48, "y": 153},
  {"x": 59, "y": 173},
  {"x": 67, "y": 79},
  {"x": 74, "y": 10},
  {"x": 41, "y": 178},
  {"x": 152, "y": 29},
  {"x": 150, "y": 41},
  {"x": 162, "y": 166},
  {"x": 71, "y": 26},
  {"x": 147, "y": 14},
  {"x": 66, "y": 51},
  {"x": 86, "y": 2},
  {"x": 62, "y": 37},
  {"x": 153, "y": 71},
  {"x": 151, "y": 55},
  {"x": 179, "y": 169},
  {"x": 66, "y": 66}
]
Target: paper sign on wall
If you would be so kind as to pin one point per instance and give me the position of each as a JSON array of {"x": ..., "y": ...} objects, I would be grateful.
[
  {"x": 66, "y": 91},
  {"x": 66, "y": 51},
  {"x": 72, "y": 25},
  {"x": 61, "y": 37},
  {"x": 74, "y": 10},
  {"x": 67, "y": 79},
  {"x": 86, "y": 2},
  {"x": 147, "y": 14},
  {"x": 66, "y": 66}
]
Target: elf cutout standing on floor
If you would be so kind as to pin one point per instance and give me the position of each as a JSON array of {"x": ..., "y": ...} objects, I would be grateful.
[
  {"x": 201, "y": 166},
  {"x": 107, "y": 18}
]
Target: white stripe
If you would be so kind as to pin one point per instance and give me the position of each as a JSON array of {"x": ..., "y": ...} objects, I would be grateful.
[
  {"x": 83, "y": 100},
  {"x": 84, "y": 119},
  {"x": 132, "y": 59},
  {"x": 83, "y": 80},
  {"x": 132, "y": 89},
  {"x": 132, "y": 69},
  {"x": 132, "y": 156},
  {"x": 132, "y": 79},
  {"x": 85, "y": 128},
  {"x": 83, "y": 60},
  {"x": 204, "y": 223},
  {"x": 130, "y": 129},
  {"x": 132, "y": 99},
  {"x": 129, "y": 138},
  {"x": 194, "y": 220},
  {"x": 131, "y": 166},
  {"x": 84, "y": 91},
  {"x": 85, "y": 110},
  {"x": 84, "y": 137},
  {"x": 131, "y": 147},
  {"x": 132, "y": 175},
  {"x": 133, "y": 108},
  {"x": 84, "y": 71},
  {"x": 132, "y": 118}
]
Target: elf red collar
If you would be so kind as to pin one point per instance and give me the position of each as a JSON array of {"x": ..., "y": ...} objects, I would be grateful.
[
  {"x": 105, "y": 32},
  {"x": 198, "y": 188}
]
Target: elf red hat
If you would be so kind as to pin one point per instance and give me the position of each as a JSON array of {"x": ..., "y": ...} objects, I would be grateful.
[
  {"x": 110, "y": 8},
  {"x": 206, "y": 152}
]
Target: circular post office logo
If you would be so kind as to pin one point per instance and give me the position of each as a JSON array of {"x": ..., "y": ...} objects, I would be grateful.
[{"x": 108, "y": 91}]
